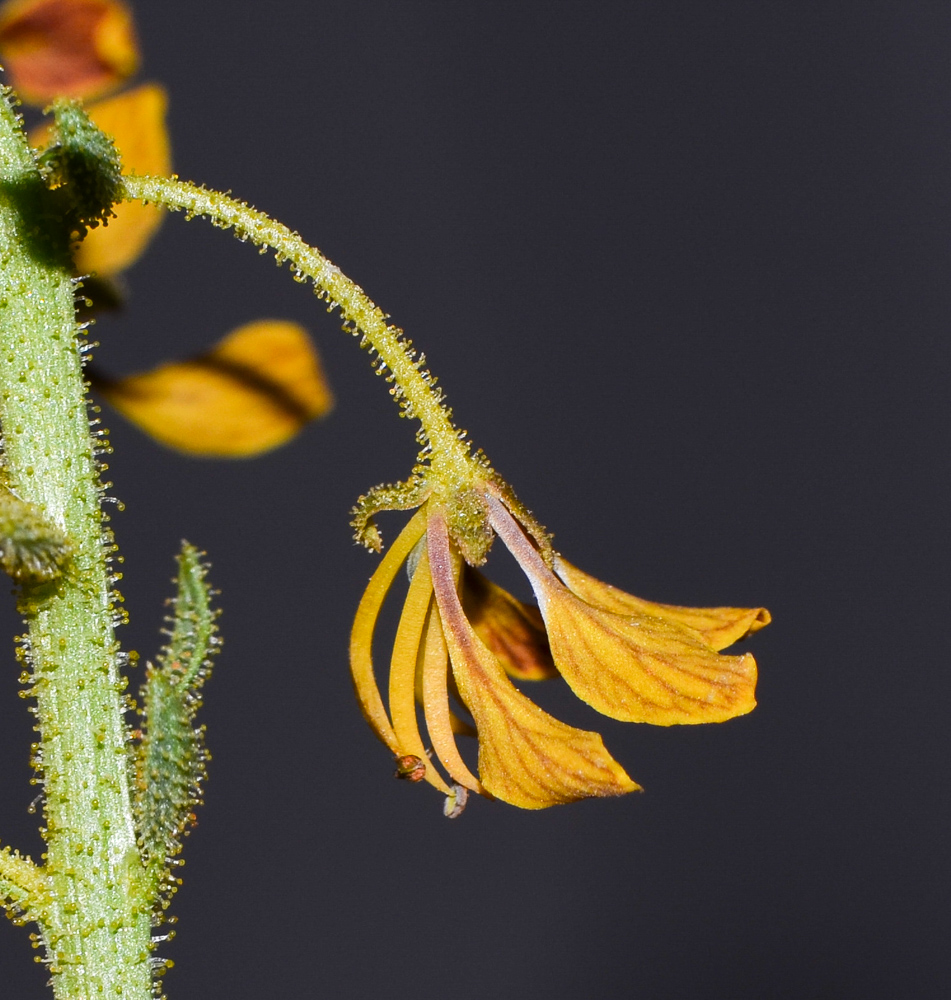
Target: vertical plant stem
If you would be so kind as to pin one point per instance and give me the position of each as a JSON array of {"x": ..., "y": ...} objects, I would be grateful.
[{"x": 96, "y": 921}]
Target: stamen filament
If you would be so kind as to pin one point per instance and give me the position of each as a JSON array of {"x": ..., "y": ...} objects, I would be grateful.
[
  {"x": 406, "y": 648},
  {"x": 436, "y": 704},
  {"x": 364, "y": 625}
]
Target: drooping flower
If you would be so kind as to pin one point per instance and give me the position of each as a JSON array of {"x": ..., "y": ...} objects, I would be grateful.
[{"x": 461, "y": 636}]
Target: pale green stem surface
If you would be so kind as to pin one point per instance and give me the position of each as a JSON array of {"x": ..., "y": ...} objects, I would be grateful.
[{"x": 95, "y": 919}]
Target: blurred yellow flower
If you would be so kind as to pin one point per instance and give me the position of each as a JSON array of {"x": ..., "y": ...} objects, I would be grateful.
[
  {"x": 258, "y": 387},
  {"x": 630, "y": 659},
  {"x": 82, "y": 49},
  {"x": 252, "y": 392}
]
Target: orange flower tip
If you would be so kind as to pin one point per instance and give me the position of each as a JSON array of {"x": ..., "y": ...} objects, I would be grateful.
[
  {"x": 254, "y": 391},
  {"x": 67, "y": 48},
  {"x": 409, "y": 767},
  {"x": 761, "y": 620},
  {"x": 455, "y": 802}
]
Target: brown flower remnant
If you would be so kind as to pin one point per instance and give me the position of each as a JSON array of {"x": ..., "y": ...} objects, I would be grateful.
[{"x": 67, "y": 48}]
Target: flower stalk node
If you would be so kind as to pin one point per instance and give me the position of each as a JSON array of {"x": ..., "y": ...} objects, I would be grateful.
[{"x": 83, "y": 169}]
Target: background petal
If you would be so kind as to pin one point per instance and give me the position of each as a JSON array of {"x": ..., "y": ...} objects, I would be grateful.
[
  {"x": 512, "y": 630},
  {"x": 252, "y": 392},
  {"x": 136, "y": 121},
  {"x": 66, "y": 48}
]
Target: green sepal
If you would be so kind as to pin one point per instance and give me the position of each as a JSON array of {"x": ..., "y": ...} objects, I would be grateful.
[
  {"x": 171, "y": 758},
  {"x": 388, "y": 496},
  {"x": 82, "y": 167},
  {"x": 32, "y": 550}
]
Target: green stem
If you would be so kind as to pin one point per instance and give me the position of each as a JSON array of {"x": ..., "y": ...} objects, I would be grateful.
[
  {"x": 95, "y": 920},
  {"x": 415, "y": 387}
]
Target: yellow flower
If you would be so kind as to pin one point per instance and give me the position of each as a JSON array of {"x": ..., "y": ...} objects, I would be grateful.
[{"x": 460, "y": 635}]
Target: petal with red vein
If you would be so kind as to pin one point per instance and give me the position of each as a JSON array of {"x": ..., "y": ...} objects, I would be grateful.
[
  {"x": 512, "y": 630},
  {"x": 526, "y": 757},
  {"x": 632, "y": 667}
]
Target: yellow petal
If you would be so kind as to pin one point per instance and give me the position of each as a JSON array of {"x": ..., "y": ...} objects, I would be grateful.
[
  {"x": 66, "y": 48},
  {"x": 364, "y": 625},
  {"x": 719, "y": 627},
  {"x": 634, "y": 667},
  {"x": 406, "y": 646},
  {"x": 638, "y": 668},
  {"x": 526, "y": 757},
  {"x": 457, "y": 725},
  {"x": 513, "y": 631},
  {"x": 252, "y": 392},
  {"x": 136, "y": 121},
  {"x": 439, "y": 718}
]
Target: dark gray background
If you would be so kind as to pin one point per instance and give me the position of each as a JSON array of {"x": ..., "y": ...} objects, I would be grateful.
[{"x": 683, "y": 269}]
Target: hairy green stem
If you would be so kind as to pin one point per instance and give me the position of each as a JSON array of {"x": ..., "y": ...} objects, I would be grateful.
[
  {"x": 414, "y": 386},
  {"x": 95, "y": 918}
]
